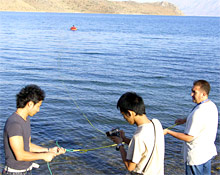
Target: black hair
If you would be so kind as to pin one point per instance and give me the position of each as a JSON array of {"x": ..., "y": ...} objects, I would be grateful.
[
  {"x": 204, "y": 85},
  {"x": 29, "y": 93},
  {"x": 131, "y": 101}
]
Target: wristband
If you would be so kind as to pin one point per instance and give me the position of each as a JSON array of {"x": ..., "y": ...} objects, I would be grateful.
[{"x": 118, "y": 146}]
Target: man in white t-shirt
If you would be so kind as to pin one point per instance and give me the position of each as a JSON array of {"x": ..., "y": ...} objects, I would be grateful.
[
  {"x": 145, "y": 153},
  {"x": 200, "y": 132}
]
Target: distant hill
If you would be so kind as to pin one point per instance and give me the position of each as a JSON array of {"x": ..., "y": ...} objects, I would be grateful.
[{"x": 90, "y": 6}]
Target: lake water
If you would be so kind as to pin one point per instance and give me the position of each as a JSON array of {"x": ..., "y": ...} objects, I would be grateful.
[{"x": 84, "y": 73}]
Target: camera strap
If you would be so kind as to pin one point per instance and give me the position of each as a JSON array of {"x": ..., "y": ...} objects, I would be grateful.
[{"x": 153, "y": 148}]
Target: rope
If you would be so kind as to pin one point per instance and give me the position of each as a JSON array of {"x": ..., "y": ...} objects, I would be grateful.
[
  {"x": 171, "y": 127},
  {"x": 77, "y": 106},
  {"x": 79, "y": 150},
  {"x": 92, "y": 149},
  {"x": 87, "y": 118},
  {"x": 48, "y": 165},
  {"x": 86, "y": 150}
]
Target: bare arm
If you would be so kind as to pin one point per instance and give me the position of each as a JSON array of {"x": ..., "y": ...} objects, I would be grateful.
[
  {"x": 178, "y": 135},
  {"x": 39, "y": 149},
  {"x": 17, "y": 145},
  {"x": 36, "y": 149},
  {"x": 130, "y": 166}
]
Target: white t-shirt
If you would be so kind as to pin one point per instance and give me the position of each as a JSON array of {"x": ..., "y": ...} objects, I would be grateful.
[
  {"x": 141, "y": 146},
  {"x": 202, "y": 124}
]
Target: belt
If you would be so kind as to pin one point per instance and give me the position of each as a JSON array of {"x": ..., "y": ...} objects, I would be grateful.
[
  {"x": 135, "y": 173},
  {"x": 11, "y": 170}
]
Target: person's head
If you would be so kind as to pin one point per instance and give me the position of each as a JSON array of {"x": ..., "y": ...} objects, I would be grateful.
[
  {"x": 200, "y": 91},
  {"x": 131, "y": 103},
  {"x": 31, "y": 96}
]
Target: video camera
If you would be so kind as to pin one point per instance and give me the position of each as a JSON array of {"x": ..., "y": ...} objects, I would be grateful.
[{"x": 113, "y": 132}]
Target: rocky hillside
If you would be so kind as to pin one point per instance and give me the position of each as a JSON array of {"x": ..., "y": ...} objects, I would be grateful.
[{"x": 90, "y": 6}]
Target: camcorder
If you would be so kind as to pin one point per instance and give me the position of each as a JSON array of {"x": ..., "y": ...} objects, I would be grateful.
[{"x": 113, "y": 132}]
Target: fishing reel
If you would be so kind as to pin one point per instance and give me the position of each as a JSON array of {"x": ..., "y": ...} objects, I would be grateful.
[{"x": 113, "y": 132}]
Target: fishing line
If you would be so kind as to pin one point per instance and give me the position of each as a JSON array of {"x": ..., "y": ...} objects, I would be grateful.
[
  {"x": 48, "y": 166},
  {"x": 86, "y": 150},
  {"x": 92, "y": 149},
  {"x": 80, "y": 151},
  {"x": 171, "y": 127},
  {"x": 77, "y": 106},
  {"x": 88, "y": 119}
]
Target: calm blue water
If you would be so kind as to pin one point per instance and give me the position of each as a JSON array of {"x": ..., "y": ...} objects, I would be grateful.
[{"x": 158, "y": 57}]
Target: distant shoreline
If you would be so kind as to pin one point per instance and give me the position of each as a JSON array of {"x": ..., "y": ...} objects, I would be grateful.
[
  {"x": 83, "y": 13},
  {"x": 91, "y": 7}
]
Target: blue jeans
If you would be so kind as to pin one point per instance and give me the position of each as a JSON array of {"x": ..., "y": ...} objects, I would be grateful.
[{"x": 203, "y": 169}]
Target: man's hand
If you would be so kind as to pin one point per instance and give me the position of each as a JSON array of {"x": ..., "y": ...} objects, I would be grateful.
[
  {"x": 165, "y": 131},
  {"x": 49, "y": 156},
  {"x": 61, "y": 151},
  {"x": 57, "y": 150},
  {"x": 124, "y": 138},
  {"x": 53, "y": 150},
  {"x": 116, "y": 139}
]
